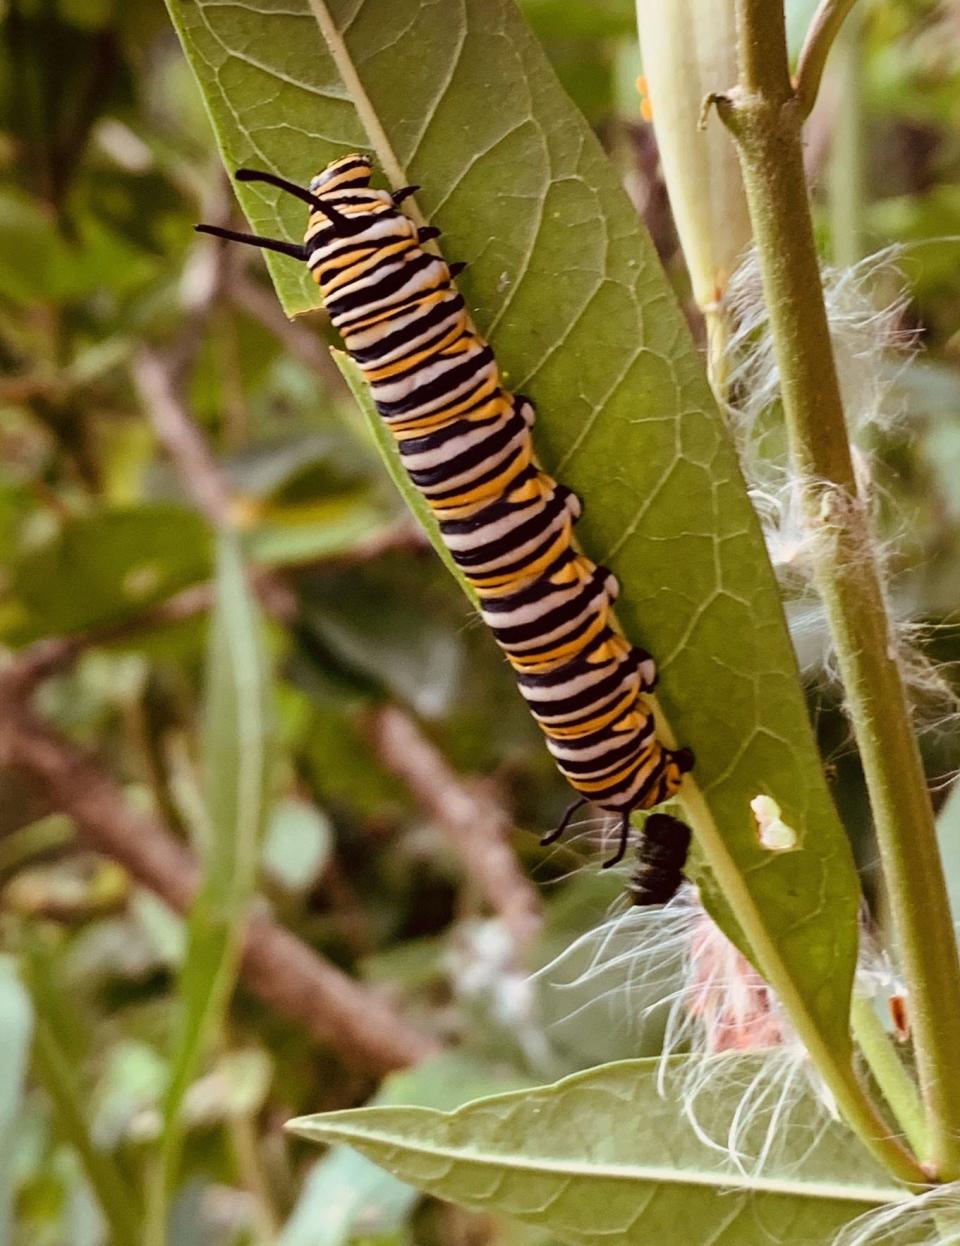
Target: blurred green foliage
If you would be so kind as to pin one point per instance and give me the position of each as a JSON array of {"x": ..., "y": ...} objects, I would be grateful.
[{"x": 107, "y": 160}]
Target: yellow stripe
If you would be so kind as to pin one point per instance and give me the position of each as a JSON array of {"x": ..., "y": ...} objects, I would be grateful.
[
  {"x": 614, "y": 780},
  {"x": 366, "y": 262},
  {"x": 530, "y": 570}
]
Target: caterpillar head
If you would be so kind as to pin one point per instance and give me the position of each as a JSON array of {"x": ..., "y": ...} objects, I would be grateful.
[{"x": 348, "y": 173}]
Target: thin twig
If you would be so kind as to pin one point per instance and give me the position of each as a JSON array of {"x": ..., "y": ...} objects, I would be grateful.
[
  {"x": 48, "y": 657},
  {"x": 297, "y": 339},
  {"x": 201, "y": 474},
  {"x": 476, "y": 824},
  {"x": 54, "y": 654},
  {"x": 821, "y": 33},
  {"x": 277, "y": 966}
]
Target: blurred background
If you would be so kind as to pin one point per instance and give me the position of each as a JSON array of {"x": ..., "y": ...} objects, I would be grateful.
[{"x": 404, "y": 898}]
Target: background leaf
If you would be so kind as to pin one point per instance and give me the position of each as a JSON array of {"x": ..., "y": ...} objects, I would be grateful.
[
  {"x": 948, "y": 835},
  {"x": 236, "y": 792},
  {"x": 106, "y": 566},
  {"x": 632, "y": 1170}
]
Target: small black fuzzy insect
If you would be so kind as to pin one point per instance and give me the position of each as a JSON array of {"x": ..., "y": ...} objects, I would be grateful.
[{"x": 661, "y": 856}]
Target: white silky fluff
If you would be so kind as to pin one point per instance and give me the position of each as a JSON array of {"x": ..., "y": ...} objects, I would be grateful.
[
  {"x": 669, "y": 966},
  {"x": 931, "y": 1219},
  {"x": 865, "y": 311}
]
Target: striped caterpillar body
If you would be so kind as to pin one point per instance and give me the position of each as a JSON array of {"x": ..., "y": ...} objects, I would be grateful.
[
  {"x": 466, "y": 445},
  {"x": 661, "y": 857}
]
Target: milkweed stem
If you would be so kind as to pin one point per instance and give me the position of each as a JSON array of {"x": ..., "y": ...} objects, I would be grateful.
[{"x": 765, "y": 117}]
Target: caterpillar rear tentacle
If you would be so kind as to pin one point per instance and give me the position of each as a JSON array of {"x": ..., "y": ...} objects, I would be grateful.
[
  {"x": 552, "y": 836},
  {"x": 466, "y": 445}
]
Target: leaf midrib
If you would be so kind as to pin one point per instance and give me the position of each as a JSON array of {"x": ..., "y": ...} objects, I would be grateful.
[{"x": 651, "y": 1173}]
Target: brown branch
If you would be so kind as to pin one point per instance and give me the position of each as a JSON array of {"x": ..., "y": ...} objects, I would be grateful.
[
  {"x": 476, "y": 824},
  {"x": 50, "y": 656},
  {"x": 53, "y": 654},
  {"x": 199, "y": 470},
  {"x": 277, "y": 966}
]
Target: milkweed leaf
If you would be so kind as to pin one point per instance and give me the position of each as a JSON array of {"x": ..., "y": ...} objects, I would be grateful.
[
  {"x": 458, "y": 98},
  {"x": 632, "y": 1171}
]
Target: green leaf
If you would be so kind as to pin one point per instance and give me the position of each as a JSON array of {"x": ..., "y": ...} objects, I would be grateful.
[
  {"x": 603, "y": 1155},
  {"x": 107, "y": 566},
  {"x": 373, "y": 627},
  {"x": 346, "y": 1195},
  {"x": 236, "y": 790},
  {"x": 564, "y": 281},
  {"x": 38, "y": 263},
  {"x": 309, "y": 532}
]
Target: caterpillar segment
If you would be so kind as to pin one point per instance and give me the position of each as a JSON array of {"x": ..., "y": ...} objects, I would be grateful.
[{"x": 466, "y": 445}]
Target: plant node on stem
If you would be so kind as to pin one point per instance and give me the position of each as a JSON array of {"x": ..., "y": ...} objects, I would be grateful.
[{"x": 765, "y": 116}]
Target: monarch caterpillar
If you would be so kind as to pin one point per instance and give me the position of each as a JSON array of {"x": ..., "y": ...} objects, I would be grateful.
[
  {"x": 466, "y": 445},
  {"x": 661, "y": 856}
]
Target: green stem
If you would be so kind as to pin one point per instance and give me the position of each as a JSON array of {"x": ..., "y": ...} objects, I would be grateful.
[
  {"x": 824, "y": 28},
  {"x": 765, "y": 118},
  {"x": 895, "y": 1083},
  {"x": 118, "y": 1201}
]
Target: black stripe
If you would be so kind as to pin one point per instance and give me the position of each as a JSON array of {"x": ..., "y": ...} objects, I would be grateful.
[
  {"x": 518, "y": 569},
  {"x": 438, "y": 498},
  {"x": 350, "y": 226},
  {"x": 538, "y": 649},
  {"x": 411, "y": 364},
  {"x": 331, "y": 264},
  {"x": 503, "y": 509},
  {"x": 430, "y": 317},
  {"x": 435, "y": 438},
  {"x": 500, "y": 432},
  {"x": 536, "y": 588},
  {"x": 398, "y": 270},
  {"x": 637, "y": 738},
  {"x": 616, "y": 796},
  {"x": 629, "y": 664},
  {"x": 514, "y": 540},
  {"x": 345, "y": 164},
  {"x": 600, "y": 768},
  {"x": 564, "y": 612},
  {"x": 613, "y": 703},
  {"x": 439, "y": 388}
]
